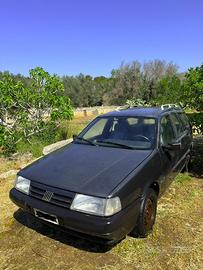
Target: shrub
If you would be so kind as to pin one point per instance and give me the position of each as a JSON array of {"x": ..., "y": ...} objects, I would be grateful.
[{"x": 196, "y": 120}]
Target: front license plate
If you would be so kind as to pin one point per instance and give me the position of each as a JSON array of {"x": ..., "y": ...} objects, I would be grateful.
[{"x": 45, "y": 216}]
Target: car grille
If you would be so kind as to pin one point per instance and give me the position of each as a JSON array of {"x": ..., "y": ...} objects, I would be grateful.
[{"x": 52, "y": 195}]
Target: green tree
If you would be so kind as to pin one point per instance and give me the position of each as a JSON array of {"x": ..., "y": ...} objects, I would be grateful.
[
  {"x": 135, "y": 81},
  {"x": 169, "y": 90},
  {"x": 153, "y": 72},
  {"x": 29, "y": 110},
  {"x": 193, "y": 88},
  {"x": 84, "y": 90}
]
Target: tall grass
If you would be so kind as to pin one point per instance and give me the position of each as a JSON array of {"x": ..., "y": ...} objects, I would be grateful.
[{"x": 65, "y": 131}]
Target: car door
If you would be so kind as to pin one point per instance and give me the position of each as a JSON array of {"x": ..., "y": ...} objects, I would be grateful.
[
  {"x": 183, "y": 136},
  {"x": 169, "y": 158}
]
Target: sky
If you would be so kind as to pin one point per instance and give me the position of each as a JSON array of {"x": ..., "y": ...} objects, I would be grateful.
[{"x": 93, "y": 37}]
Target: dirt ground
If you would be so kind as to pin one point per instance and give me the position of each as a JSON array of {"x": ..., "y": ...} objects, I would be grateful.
[{"x": 176, "y": 242}]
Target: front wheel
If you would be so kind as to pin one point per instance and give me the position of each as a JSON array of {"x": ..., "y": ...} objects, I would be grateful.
[{"x": 147, "y": 214}]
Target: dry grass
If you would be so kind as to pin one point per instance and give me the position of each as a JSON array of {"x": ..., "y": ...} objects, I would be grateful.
[
  {"x": 176, "y": 242},
  {"x": 14, "y": 164}
]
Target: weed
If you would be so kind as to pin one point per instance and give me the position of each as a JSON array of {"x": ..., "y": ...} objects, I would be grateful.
[{"x": 182, "y": 177}]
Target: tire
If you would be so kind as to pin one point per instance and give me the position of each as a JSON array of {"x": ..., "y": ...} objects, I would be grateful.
[{"x": 147, "y": 214}]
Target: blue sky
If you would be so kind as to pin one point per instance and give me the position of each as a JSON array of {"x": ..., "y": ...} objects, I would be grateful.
[{"x": 95, "y": 36}]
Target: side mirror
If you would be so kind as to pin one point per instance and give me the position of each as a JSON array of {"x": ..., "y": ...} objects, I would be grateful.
[
  {"x": 175, "y": 146},
  {"x": 74, "y": 136}
]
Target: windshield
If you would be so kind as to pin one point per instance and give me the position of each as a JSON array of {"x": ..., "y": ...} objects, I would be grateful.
[{"x": 126, "y": 132}]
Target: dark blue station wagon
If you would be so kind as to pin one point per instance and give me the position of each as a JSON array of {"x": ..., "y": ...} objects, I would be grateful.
[{"x": 107, "y": 182}]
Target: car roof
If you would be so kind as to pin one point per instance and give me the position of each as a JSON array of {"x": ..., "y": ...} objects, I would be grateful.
[{"x": 153, "y": 112}]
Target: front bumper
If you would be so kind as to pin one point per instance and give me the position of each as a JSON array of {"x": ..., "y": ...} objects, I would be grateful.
[{"x": 111, "y": 229}]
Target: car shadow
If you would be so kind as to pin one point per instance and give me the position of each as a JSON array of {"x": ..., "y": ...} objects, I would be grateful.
[
  {"x": 196, "y": 166},
  {"x": 57, "y": 233}
]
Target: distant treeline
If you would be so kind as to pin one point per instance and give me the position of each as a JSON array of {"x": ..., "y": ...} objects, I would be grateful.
[{"x": 153, "y": 82}]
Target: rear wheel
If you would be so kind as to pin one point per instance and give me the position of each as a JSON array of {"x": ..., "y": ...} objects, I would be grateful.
[{"x": 147, "y": 215}]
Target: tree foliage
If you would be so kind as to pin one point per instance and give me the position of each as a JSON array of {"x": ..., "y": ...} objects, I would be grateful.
[
  {"x": 29, "y": 110},
  {"x": 136, "y": 81},
  {"x": 193, "y": 88},
  {"x": 169, "y": 90},
  {"x": 86, "y": 91}
]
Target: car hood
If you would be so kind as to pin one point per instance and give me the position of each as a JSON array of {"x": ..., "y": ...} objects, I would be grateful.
[{"x": 87, "y": 169}]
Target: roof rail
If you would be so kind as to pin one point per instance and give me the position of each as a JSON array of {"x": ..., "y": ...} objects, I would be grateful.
[{"x": 169, "y": 106}]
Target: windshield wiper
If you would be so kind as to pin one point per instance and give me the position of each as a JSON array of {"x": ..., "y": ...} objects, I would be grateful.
[
  {"x": 85, "y": 140},
  {"x": 119, "y": 144}
]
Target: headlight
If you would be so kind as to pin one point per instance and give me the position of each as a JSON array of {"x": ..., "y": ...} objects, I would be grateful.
[
  {"x": 22, "y": 184},
  {"x": 96, "y": 206}
]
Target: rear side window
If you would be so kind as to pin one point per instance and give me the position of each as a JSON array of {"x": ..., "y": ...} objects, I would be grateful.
[
  {"x": 184, "y": 120},
  {"x": 132, "y": 121},
  {"x": 166, "y": 130},
  {"x": 177, "y": 124}
]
